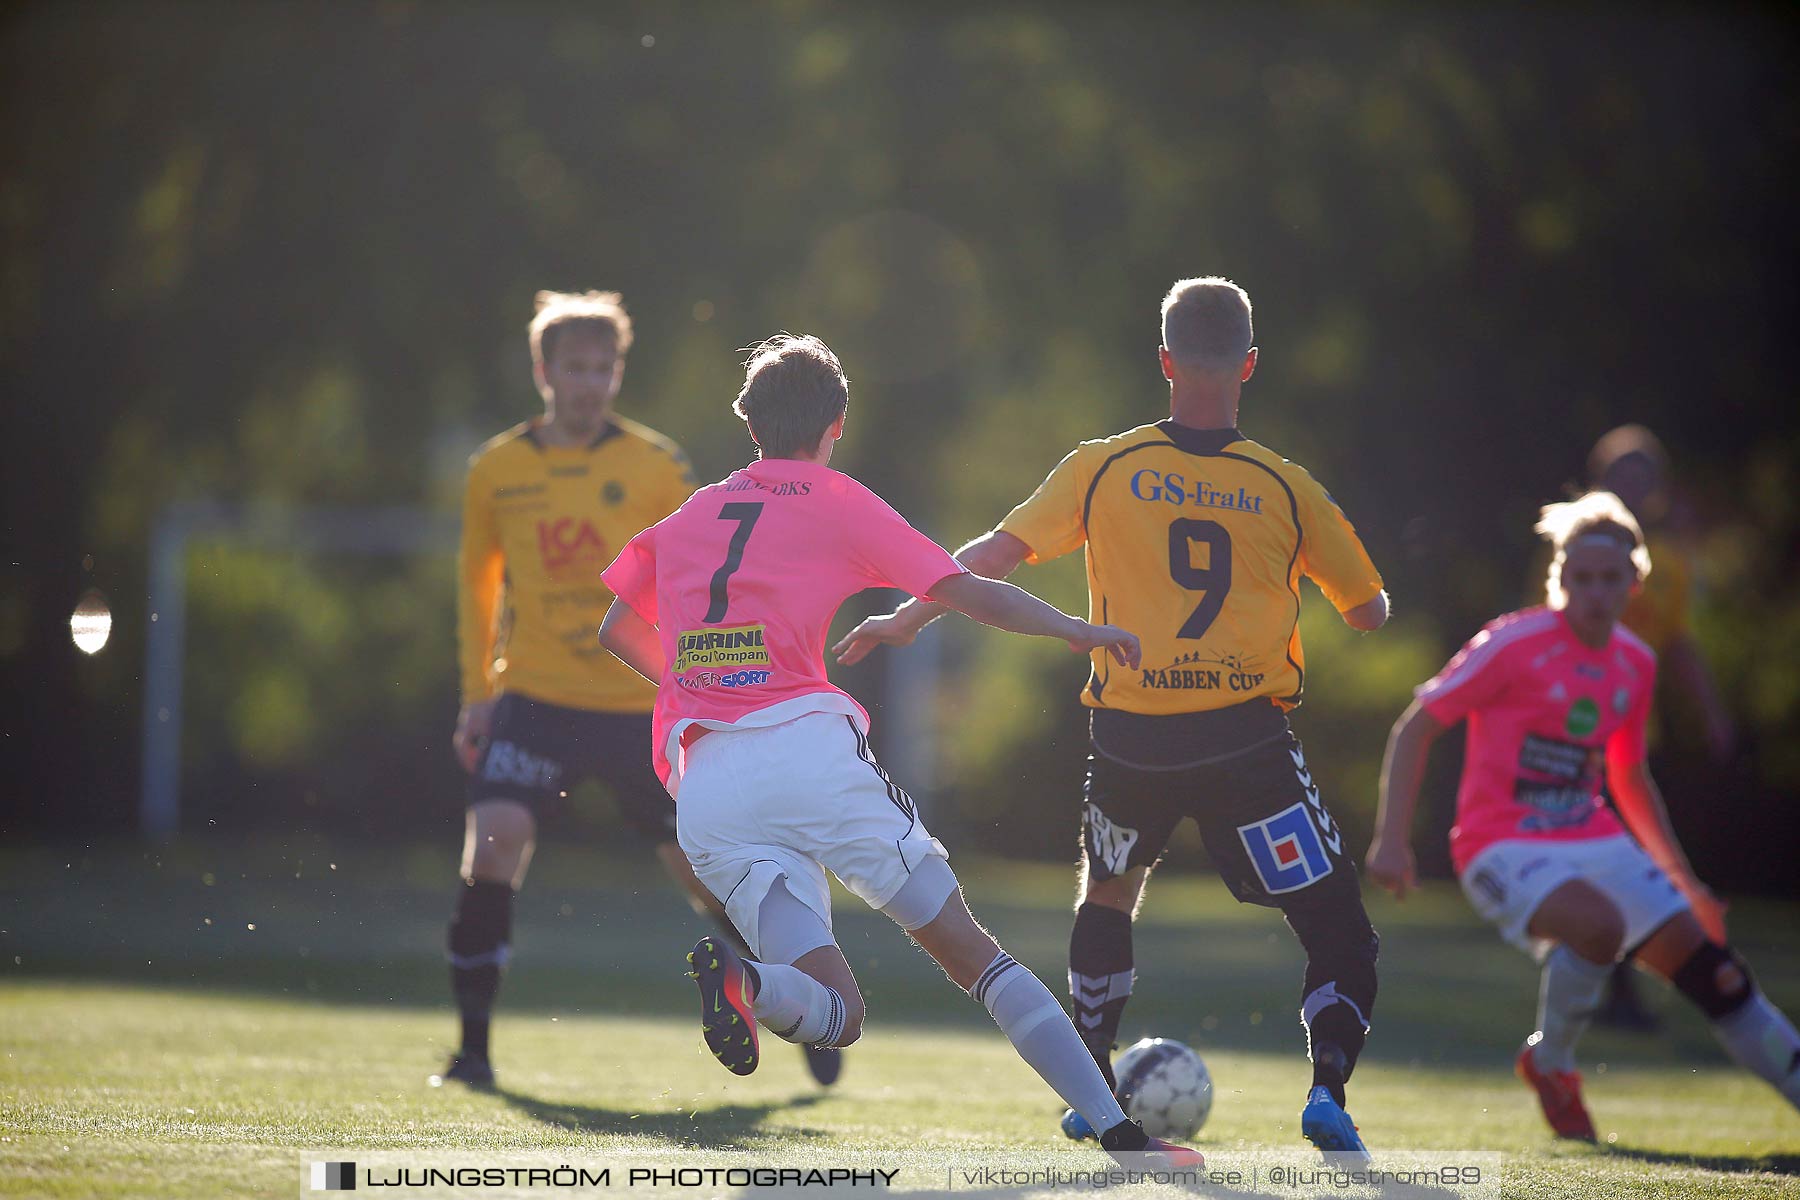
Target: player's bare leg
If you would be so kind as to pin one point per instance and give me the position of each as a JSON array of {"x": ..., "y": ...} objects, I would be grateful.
[
  {"x": 1757, "y": 1035},
  {"x": 1588, "y": 930},
  {"x": 498, "y": 839}
]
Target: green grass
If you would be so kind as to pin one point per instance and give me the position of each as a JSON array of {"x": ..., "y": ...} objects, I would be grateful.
[{"x": 147, "y": 1052}]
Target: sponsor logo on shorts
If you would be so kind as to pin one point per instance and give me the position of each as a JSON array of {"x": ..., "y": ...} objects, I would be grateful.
[
  {"x": 1285, "y": 850},
  {"x": 508, "y": 762},
  {"x": 1489, "y": 885},
  {"x": 1107, "y": 843},
  {"x": 717, "y": 649}
]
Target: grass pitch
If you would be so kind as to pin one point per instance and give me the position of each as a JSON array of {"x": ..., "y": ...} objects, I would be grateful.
[{"x": 155, "y": 1044}]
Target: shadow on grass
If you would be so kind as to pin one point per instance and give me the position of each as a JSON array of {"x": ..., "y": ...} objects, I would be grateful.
[
  {"x": 729, "y": 1127},
  {"x": 1742, "y": 1164}
]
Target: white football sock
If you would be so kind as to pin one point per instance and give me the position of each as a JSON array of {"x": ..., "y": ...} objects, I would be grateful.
[
  {"x": 796, "y": 1007},
  {"x": 1763, "y": 1041},
  {"x": 1040, "y": 1031},
  {"x": 1569, "y": 995}
]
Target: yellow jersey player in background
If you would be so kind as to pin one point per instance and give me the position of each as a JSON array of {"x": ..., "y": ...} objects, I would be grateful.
[
  {"x": 1196, "y": 540},
  {"x": 548, "y": 505},
  {"x": 1631, "y": 463}
]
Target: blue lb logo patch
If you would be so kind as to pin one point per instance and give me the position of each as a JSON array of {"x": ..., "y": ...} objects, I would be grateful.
[{"x": 1286, "y": 851}]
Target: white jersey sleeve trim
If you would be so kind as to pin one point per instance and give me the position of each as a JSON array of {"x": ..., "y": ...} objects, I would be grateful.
[
  {"x": 1634, "y": 641},
  {"x": 1482, "y": 652}
]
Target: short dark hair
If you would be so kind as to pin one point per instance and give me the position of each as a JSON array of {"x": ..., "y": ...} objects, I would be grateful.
[{"x": 794, "y": 389}]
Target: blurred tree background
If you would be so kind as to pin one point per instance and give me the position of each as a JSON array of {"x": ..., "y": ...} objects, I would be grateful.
[{"x": 283, "y": 254}]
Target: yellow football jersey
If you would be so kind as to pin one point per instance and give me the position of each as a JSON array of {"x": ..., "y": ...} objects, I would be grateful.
[
  {"x": 1658, "y": 613},
  {"x": 540, "y": 522},
  {"x": 1196, "y": 542}
]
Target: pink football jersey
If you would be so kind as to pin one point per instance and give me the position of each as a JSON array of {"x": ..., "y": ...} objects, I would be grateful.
[
  {"x": 1546, "y": 713},
  {"x": 741, "y": 583}
]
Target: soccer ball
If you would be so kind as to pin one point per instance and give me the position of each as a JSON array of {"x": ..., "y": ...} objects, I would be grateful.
[{"x": 1165, "y": 1087}]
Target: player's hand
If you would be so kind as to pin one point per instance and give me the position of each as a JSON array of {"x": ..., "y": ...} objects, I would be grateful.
[
  {"x": 1391, "y": 865},
  {"x": 1709, "y": 910},
  {"x": 889, "y": 629},
  {"x": 1122, "y": 645},
  {"x": 473, "y": 724}
]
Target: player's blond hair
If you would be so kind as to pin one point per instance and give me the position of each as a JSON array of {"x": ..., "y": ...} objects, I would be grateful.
[
  {"x": 794, "y": 389},
  {"x": 602, "y": 312},
  {"x": 1206, "y": 324},
  {"x": 1596, "y": 514}
]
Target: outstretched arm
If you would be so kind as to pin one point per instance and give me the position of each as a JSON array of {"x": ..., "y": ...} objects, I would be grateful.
[
  {"x": 1368, "y": 616},
  {"x": 1641, "y": 805},
  {"x": 993, "y": 555},
  {"x": 1390, "y": 860},
  {"x": 633, "y": 641},
  {"x": 1018, "y": 611}
]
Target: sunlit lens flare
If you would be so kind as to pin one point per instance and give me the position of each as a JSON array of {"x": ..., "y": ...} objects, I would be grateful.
[{"x": 90, "y": 625}]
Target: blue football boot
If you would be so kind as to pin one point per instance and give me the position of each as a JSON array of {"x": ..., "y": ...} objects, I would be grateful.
[{"x": 1326, "y": 1125}]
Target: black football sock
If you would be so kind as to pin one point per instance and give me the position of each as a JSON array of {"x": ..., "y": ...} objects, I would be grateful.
[
  {"x": 1337, "y": 994},
  {"x": 1100, "y": 977},
  {"x": 479, "y": 944},
  {"x": 1331, "y": 1069},
  {"x": 1337, "y": 1037}
]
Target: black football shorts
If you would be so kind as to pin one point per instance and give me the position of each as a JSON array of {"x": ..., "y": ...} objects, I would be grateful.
[
  {"x": 536, "y": 752},
  {"x": 1259, "y": 812}
]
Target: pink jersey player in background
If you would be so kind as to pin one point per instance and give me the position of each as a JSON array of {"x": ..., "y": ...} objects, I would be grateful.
[
  {"x": 725, "y": 604},
  {"x": 1556, "y": 700}
]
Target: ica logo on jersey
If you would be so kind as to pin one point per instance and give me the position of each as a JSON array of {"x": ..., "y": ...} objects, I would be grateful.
[{"x": 571, "y": 549}]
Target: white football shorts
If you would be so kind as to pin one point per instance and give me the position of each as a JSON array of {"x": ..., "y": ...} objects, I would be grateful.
[
  {"x": 1509, "y": 879},
  {"x": 795, "y": 800}
]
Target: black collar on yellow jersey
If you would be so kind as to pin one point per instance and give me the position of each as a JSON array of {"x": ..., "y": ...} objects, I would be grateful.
[
  {"x": 1198, "y": 441},
  {"x": 607, "y": 433}
]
